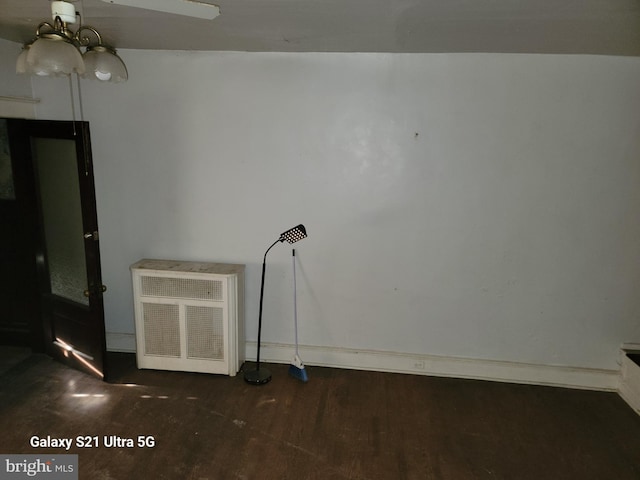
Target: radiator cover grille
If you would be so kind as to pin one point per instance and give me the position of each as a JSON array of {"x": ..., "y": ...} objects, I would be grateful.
[
  {"x": 205, "y": 332},
  {"x": 161, "y": 329}
]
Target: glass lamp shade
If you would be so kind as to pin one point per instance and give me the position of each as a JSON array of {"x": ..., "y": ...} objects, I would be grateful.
[
  {"x": 102, "y": 63},
  {"x": 21, "y": 63},
  {"x": 54, "y": 55}
]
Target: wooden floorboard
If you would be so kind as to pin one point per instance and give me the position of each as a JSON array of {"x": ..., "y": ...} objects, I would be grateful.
[{"x": 342, "y": 424}]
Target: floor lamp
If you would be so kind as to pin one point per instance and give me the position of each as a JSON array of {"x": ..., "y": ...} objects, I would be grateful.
[{"x": 260, "y": 376}]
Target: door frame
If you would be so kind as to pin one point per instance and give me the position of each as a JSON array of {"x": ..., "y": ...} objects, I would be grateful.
[{"x": 26, "y": 206}]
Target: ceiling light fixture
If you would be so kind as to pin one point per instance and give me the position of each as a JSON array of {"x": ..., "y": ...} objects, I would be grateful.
[{"x": 56, "y": 50}]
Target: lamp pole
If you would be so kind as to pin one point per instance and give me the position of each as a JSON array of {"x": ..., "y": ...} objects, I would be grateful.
[{"x": 260, "y": 376}]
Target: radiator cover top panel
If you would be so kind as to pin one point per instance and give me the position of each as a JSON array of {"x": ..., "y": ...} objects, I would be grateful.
[
  {"x": 197, "y": 289},
  {"x": 189, "y": 315}
]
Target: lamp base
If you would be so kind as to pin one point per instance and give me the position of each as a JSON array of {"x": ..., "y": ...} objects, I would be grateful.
[{"x": 257, "y": 377}]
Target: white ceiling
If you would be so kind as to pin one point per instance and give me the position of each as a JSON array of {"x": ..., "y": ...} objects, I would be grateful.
[{"x": 608, "y": 27}]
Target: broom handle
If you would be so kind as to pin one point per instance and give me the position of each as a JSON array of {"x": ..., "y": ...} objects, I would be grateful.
[{"x": 295, "y": 303}]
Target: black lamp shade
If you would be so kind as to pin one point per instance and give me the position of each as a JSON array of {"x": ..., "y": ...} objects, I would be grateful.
[{"x": 294, "y": 234}]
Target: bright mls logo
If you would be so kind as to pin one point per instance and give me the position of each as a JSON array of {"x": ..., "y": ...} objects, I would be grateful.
[{"x": 50, "y": 467}]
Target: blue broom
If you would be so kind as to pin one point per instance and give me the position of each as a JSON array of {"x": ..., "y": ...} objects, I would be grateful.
[{"x": 296, "y": 369}]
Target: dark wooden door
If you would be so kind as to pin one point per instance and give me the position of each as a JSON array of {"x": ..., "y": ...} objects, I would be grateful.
[{"x": 57, "y": 164}]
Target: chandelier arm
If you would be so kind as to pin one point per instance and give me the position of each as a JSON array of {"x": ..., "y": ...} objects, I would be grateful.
[
  {"x": 84, "y": 40},
  {"x": 58, "y": 24},
  {"x": 44, "y": 24},
  {"x": 59, "y": 28}
]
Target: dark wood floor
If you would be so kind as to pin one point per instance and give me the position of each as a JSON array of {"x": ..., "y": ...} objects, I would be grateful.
[{"x": 341, "y": 425}]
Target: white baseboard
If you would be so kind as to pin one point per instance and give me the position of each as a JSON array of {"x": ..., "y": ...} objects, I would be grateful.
[{"x": 479, "y": 369}]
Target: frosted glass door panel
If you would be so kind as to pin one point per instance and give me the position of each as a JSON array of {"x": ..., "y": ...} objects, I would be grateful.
[{"x": 57, "y": 171}]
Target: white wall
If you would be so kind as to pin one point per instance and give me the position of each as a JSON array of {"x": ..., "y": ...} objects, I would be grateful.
[
  {"x": 472, "y": 205},
  {"x": 12, "y": 84}
]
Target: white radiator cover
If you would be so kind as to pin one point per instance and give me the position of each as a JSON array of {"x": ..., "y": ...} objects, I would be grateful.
[{"x": 189, "y": 315}]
